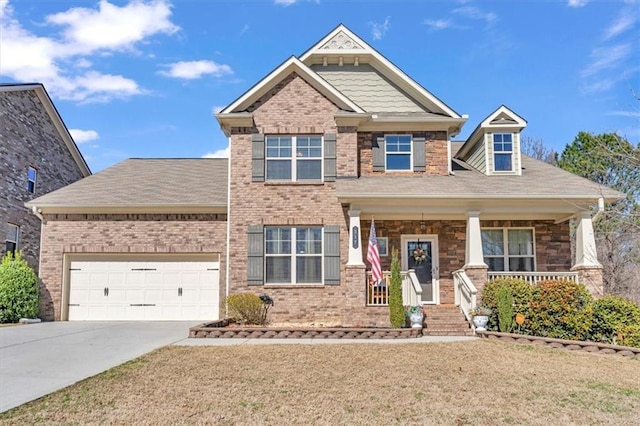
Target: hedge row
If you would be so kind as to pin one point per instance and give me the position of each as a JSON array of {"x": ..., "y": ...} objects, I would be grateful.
[{"x": 564, "y": 310}]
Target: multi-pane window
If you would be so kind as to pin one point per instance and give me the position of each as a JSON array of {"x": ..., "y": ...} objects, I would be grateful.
[
  {"x": 502, "y": 152},
  {"x": 12, "y": 238},
  {"x": 294, "y": 158},
  {"x": 32, "y": 174},
  {"x": 510, "y": 249},
  {"x": 293, "y": 255},
  {"x": 398, "y": 152}
]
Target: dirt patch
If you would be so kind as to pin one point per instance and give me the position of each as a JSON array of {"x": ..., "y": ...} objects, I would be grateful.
[{"x": 478, "y": 382}]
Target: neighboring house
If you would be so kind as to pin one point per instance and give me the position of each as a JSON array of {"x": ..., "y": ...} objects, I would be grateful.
[
  {"x": 37, "y": 156},
  {"x": 320, "y": 147}
]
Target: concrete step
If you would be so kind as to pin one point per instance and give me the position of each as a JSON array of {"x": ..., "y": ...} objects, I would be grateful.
[{"x": 447, "y": 333}]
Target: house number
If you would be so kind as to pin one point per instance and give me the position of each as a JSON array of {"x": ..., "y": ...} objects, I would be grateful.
[{"x": 354, "y": 232}]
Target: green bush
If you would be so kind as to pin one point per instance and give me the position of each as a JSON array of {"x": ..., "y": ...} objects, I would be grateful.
[
  {"x": 560, "y": 309},
  {"x": 505, "y": 309},
  {"x": 19, "y": 290},
  {"x": 247, "y": 308},
  {"x": 396, "y": 310},
  {"x": 615, "y": 320},
  {"x": 521, "y": 292}
]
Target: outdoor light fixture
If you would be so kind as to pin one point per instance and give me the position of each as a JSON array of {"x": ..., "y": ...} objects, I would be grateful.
[{"x": 423, "y": 224}]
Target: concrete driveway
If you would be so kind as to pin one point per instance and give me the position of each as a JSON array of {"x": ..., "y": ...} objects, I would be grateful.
[{"x": 38, "y": 359}]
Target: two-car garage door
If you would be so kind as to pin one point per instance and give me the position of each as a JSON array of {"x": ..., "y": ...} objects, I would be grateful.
[{"x": 152, "y": 288}]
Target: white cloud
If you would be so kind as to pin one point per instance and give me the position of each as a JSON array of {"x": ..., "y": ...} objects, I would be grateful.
[
  {"x": 472, "y": 12},
  {"x": 285, "y": 2},
  {"x": 604, "y": 58},
  {"x": 577, "y": 3},
  {"x": 630, "y": 114},
  {"x": 625, "y": 21},
  {"x": 216, "y": 109},
  {"x": 378, "y": 30},
  {"x": 62, "y": 60},
  {"x": 221, "y": 153},
  {"x": 111, "y": 27},
  {"x": 191, "y": 70},
  {"x": 82, "y": 136},
  {"x": 438, "y": 24}
]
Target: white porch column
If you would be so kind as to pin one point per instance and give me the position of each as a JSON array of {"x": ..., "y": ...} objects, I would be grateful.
[
  {"x": 355, "y": 240},
  {"x": 586, "y": 253},
  {"x": 473, "y": 253}
]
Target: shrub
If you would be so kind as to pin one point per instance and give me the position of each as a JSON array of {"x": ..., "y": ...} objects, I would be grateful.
[
  {"x": 615, "y": 320},
  {"x": 560, "y": 309},
  {"x": 521, "y": 292},
  {"x": 505, "y": 309},
  {"x": 247, "y": 308},
  {"x": 19, "y": 290},
  {"x": 396, "y": 310}
]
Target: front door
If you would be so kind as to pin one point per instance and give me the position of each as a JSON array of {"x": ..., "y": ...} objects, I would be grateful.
[{"x": 420, "y": 253}]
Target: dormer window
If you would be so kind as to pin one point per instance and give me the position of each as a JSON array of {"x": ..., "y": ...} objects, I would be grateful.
[
  {"x": 502, "y": 152},
  {"x": 398, "y": 153}
]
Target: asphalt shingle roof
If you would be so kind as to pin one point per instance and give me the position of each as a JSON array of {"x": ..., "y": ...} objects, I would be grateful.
[{"x": 147, "y": 182}]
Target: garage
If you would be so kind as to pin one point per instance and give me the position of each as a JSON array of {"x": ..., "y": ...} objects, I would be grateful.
[{"x": 144, "y": 289}]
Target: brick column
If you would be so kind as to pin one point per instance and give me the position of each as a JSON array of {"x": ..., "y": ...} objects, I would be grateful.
[
  {"x": 355, "y": 282},
  {"x": 478, "y": 276},
  {"x": 591, "y": 277}
]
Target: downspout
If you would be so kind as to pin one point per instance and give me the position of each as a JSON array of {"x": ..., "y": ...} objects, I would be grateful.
[
  {"x": 38, "y": 212},
  {"x": 600, "y": 209},
  {"x": 228, "y": 224}
]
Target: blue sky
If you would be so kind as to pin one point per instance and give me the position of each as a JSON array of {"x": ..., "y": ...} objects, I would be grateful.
[{"x": 142, "y": 78}]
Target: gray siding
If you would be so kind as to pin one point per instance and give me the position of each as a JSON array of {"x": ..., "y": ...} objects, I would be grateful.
[
  {"x": 367, "y": 88},
  {"x": 476, "y": 157}
]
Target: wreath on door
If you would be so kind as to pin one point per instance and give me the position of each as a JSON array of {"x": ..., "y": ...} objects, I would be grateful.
[{"x": 419, "y": 255}]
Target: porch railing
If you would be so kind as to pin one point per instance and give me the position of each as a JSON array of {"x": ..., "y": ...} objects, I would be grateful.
[
  {"x": 534, "y": 277},
  {"x": 465, "y": 292},
  {"x": 378, "y": 293}
]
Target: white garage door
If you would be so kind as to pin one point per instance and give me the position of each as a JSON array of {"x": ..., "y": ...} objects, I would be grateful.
[{"x": 167, "y": 289}]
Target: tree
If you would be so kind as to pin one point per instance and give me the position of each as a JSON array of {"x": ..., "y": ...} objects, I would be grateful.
[
  {"x": 396, "y": 310},
  {"x": 611, "y": 160},
  {"x": 535, "y": 148}
]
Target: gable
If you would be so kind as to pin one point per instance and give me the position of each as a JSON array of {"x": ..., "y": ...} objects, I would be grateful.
[
  {"x": 342, "y": 41},
  {"x": 367, "y": 87}
]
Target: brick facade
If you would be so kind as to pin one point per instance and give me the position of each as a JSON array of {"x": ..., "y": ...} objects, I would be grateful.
[
  {"x": 120, "y": 234},
  {"x": 28, "y": 137}
]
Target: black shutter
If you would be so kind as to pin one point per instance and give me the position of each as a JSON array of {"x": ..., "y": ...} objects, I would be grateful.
[
  {"x": 257, "y": 157},
  {"x": 332, "y": 255},
  {"x": 330, "y": 147},
  {"x": 255, "y": 258},
  {"x": 377, "y": 146},
  {"x": 419, "y": 162}
]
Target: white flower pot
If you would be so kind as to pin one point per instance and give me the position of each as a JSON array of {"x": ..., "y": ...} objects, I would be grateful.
[
  {"x": 480, "y": 321},
  {"x": 416, "y": 319}
]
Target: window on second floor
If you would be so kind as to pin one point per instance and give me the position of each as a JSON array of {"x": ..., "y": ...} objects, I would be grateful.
[
  {"x": 502, "y": 152},
  {"x": 32, "y": 174},
  {"x": 509, "y": 249},
  {"x": 12, "y": 238},
  {"x": 293, "y": 158},
  {"x": 398, "y": 153}
]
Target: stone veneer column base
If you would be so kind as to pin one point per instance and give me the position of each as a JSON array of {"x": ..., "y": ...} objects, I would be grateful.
[
  {"x": 478, "y": 276},
  {"x": 355, "y": 283},
  {"x": 591, "y": 277}
]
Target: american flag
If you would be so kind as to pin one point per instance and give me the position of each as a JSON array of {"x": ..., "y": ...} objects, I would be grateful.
[{"x": 373, "y": 255}]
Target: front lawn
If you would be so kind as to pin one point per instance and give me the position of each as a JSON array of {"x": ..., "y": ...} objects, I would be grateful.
[{"x": 478, "y": 382}]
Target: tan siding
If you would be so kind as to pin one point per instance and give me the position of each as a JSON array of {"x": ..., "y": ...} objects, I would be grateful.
[
  {"x": 477, "y": 157},
  {"x": 368, "y": 88}
]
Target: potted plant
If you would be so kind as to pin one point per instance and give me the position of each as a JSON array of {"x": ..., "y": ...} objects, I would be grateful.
[
  {"x": 480, "y": 317},
  {"x": 415, "y": 316}
]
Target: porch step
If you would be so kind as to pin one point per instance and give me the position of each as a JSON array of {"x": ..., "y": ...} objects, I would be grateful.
[{"x": 445, "y": 320}]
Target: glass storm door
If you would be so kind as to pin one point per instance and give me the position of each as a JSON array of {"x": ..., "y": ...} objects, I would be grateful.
[{"x": 418, "y": 254}]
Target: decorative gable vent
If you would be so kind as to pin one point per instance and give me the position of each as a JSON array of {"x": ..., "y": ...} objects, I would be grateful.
[{"x": 342, "y": 41}]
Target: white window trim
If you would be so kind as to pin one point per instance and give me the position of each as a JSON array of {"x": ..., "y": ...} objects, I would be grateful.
[
  {"x": 505, "y": 245},
  {"x": 386, "y": 153},
  {"x": 35, "y": 180},
  {"x": 17, "y": 233},
  {"x": 293, "y": 255},
  {"x": 293, "y": 159},
  {"x": 512, "y": 153}
]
